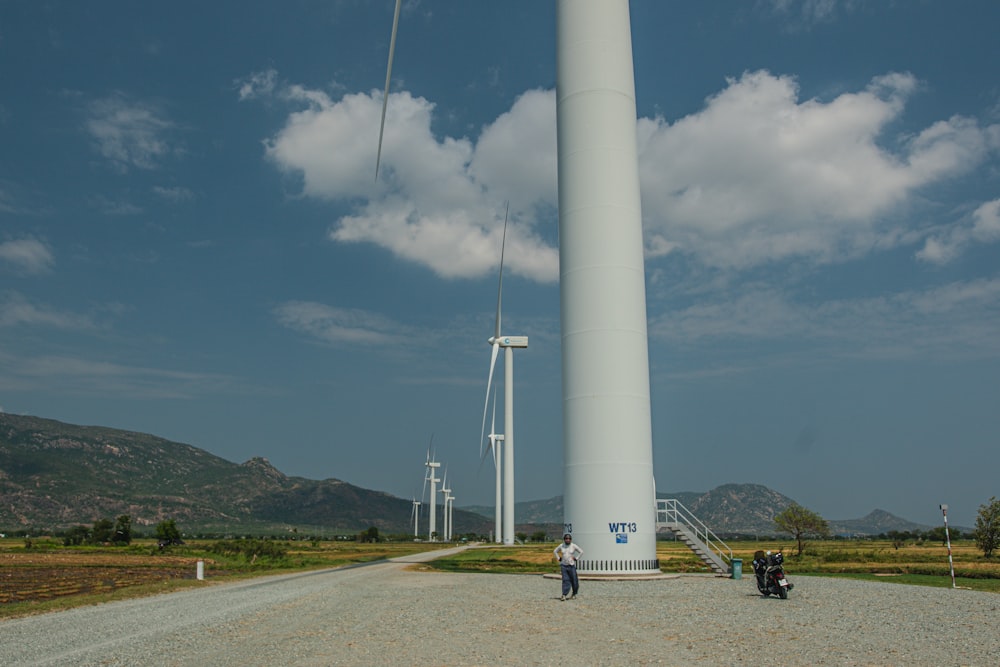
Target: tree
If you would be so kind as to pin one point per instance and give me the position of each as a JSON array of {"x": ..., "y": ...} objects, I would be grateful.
[
  {"x": 899, "y": 538},
  {"x": 800, "y": 522},
  {"x": 123, "y": 530},
  {"x": 103, "y": 529},
  {"x": 939, "y": 534},
  {"x": 988, "y": 527},
  {"x": 167, "y": 533},
  {"x": 76, "y": 536}
]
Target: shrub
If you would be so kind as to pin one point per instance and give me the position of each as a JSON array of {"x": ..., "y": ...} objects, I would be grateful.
[{"x": 251, "y": 550}]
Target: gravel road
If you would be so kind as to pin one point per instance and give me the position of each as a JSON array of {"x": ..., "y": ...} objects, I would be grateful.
[{"x": 382, "y": 613}]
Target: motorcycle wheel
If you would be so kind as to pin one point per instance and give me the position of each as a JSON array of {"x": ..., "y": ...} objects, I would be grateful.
[{"x": 782, "y": 592}]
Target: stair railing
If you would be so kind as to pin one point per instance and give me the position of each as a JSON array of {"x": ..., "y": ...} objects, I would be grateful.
[{"x": 672, "y": 511}]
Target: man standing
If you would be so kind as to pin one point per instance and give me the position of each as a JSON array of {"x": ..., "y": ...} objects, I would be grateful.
[{"x": 567, "y": 554}]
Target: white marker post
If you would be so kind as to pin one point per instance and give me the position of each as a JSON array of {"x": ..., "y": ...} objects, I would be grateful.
[
  {"x": 200, "y": 570},
  {"x": 947, "y": 538}
]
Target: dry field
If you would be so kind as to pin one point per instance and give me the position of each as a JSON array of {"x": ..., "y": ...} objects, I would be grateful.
[
  {"x": 47, "y": 576},
  {"x": 27, "y": 576}
]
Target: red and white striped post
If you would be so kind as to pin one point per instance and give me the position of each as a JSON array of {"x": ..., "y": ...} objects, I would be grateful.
[{"x": 947, "y": 538}]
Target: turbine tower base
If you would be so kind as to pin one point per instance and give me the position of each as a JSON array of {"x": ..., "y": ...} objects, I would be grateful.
[{"x": 619, "y": 567}]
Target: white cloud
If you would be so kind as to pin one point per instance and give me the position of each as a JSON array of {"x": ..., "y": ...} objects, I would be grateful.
[
  {"x": 755, "y": 177},
  {"x": 986, "y": 222},
  {"x": 114, "y": 207},
  {"x": 129, "y": 133},
  {"x": 258, "y": 84},
  {"x": 516, "y": 154},
  {"x": 174, "y": 194},
  {"x": 944, "y": 322},
  {"x": 804, "y": 14},
  {"x": 15, "y": 310},
  {"x": 437, "y": 202},
  {"x": 340, "y": 325},
  {"x": 27, "y": 255},
  {"x": 88, "y": 377},
  {"x": 759, "y": 176},
  {"x": 983, "y": 226}
]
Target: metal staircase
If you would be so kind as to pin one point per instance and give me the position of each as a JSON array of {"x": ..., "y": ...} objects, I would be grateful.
[{"x": 673, "y": 516}]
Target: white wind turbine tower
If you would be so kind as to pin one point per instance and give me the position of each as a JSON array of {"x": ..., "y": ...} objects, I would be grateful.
[
  {"x": 446, "y": 494},
  {"x": 450, "y": 508},
  {"x": 415, "y": 515},
  {"x": 495, "y": 448},
  {"x": 498, "y": 341},
  {"x": 607, "y": 429},
  {"x": 431, "y": 477}
]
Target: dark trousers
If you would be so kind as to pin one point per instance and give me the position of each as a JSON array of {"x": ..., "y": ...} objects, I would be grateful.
[{"x": 569, "y": 579}]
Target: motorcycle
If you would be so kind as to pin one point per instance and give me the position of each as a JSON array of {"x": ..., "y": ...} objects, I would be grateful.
[{"x": 770, "y": 572}]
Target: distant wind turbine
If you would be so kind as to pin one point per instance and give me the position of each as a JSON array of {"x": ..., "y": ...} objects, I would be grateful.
[
  {"x": 504, "y": 532},
  {"x": 450, "y": 510},
  {"x": 446, "y": 494},
  {"x": 498, "y": 341},
  {"x": 431, "y": 477},
  {"x": 415, "y": 515}
]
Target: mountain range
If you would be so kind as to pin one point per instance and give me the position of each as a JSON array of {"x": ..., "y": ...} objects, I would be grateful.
[
  {"x": 55, "y": 475},
  {"x": 746, "y": 510}
]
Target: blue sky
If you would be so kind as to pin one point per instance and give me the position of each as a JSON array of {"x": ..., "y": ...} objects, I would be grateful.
[{"x": 193, "y": 244}]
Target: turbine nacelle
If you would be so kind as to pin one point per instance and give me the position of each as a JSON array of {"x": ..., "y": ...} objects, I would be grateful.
[{"x": 508, "y": 341}]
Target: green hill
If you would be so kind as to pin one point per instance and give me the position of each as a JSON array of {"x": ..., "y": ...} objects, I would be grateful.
[{"x": 55, "y": 475}]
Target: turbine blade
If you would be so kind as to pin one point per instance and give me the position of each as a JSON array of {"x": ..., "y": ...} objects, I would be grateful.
[
  {"x": 503, "y": 244},
  {"x": 388, "y": 79},
  {"x": 493, "y": 430},
  {"x": 482, "y": 459},
  {"x": 489, "y": 383}
]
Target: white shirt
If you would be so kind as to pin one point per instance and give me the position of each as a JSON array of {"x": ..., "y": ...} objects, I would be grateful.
[{"x": 568, "y": 553}]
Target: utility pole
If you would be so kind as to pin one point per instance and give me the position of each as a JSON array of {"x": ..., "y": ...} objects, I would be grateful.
[{"x": 947, "y": 538}]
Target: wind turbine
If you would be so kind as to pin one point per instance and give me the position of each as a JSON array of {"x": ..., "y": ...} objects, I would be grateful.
[
  {"x": 607, "y": 426},
  {"x": 504, "y": 532},
  {"x": 431, "y": 477},
  {"x": 446, "y": 493},
  {"x": 498, "y": 341},
  {"x": 607, "y": 432},
  {"x": 415, "y": 515},
  {"x": 450, "y": 509}
]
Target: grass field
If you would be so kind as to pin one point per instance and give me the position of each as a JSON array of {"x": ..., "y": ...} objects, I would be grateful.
[
  {"x": 923, "y": 564},
  {"x": 46, "y": 575}
]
